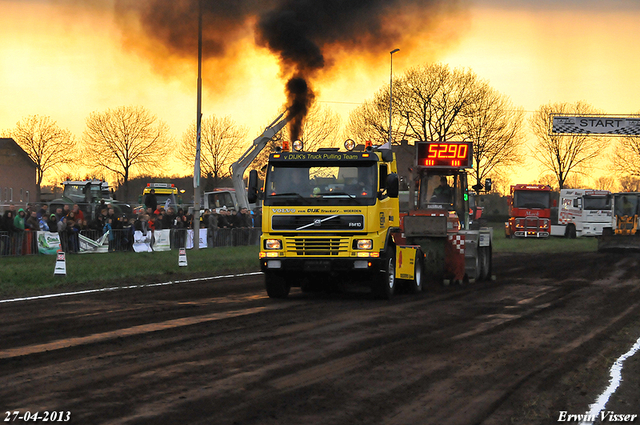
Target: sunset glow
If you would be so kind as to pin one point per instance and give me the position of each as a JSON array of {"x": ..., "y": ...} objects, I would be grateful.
[{"x": 64, "y": 60}]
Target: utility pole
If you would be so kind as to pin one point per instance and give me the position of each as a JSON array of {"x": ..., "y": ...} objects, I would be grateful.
[
  {"x": 391, "y": 93},
  {"x": 196, "y": 166}
]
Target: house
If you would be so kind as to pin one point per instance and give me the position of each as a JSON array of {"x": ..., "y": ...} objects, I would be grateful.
[{"x": 17, "y": 175}]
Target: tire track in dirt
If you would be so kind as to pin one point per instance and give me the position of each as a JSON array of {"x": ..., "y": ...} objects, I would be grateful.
[{"x": 451, "y": 355}]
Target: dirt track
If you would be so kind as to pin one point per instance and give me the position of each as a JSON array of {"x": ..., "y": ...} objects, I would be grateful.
[{"x": 537, "y": 341}]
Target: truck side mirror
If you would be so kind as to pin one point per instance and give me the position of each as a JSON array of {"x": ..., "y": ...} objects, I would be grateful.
[
  {"x": 487, "y": 185},
  {"x": 393, "y": 185},
  {"x": 252, "y": 191},
  {"x": 387, "y": 155}
]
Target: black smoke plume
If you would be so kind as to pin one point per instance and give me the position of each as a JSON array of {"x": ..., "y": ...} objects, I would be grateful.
[{"x": 304, "y": 34}]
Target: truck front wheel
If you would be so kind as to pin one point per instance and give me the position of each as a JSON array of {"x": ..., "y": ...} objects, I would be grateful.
[
  {"x": 384, "y": 285},
  {"x": 276, "y": 284}
]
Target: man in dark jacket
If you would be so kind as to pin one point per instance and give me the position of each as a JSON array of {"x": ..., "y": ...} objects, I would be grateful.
[
  {"x": 150, "y": 200},
  {"x": 31, "y": 222}
]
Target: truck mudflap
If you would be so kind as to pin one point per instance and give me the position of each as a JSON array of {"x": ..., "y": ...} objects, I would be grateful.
[
  {"x": 454, "y": 257},
  {"x": 612, "y": 243},
  {"x": 406, "y": 256}
]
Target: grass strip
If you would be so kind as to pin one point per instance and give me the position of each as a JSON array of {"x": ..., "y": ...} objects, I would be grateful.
[{"x": 32, "y": 275}]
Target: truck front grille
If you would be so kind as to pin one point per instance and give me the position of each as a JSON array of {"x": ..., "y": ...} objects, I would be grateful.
[
  {"x": 317, "y": 246},
  {"x": 309, "y": 223}
]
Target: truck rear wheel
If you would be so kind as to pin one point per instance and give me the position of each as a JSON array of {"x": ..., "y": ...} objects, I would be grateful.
[
  {"x": 485, "y": 262},
  {"x": 415, "y": 285},
  {"x": 277, "y": 286},
  {"x": 384, "y": 285}
]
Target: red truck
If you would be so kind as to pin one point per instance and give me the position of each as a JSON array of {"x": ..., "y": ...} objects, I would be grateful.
[{"x": 529, "y": 211}]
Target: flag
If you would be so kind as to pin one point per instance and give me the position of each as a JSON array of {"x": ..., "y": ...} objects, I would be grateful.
[{"x": 387, "y": 145}]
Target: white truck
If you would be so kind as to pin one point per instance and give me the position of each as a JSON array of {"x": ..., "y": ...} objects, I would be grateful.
[
  {"x": 582, "y": 212},
  {"x": 219, "y": 198}
]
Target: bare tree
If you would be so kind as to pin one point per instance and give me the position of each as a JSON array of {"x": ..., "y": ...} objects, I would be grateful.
[
  {"x": 630, "y": 184},
  {"x": 550, "y": 180},
  {"x": 370, "y": 121},
  {"x": 626, "y": 156},
  {"x": 501, "y": 183},
  {"x": 46, "y": 144},
  {"x": 564, "y": 154},
  {"x": 429, "y": 102},
  {"x": 221, "y": 143},
  {"x": 432, "y": 100},
  {"x": 574, "y": 181},
  {"x": 126, "y": 140},
  {"x": 495, "y": 127},
  {"x": 606, "y": 183}
]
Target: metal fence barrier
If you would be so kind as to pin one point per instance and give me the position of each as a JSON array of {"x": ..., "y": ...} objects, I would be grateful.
[
  {"x": 18, "y": 243},
  {"x": 26, "y": 243}
]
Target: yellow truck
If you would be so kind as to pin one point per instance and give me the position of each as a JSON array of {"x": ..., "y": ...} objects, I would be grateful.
[
  {"x": 167, "y": 194},
  {"x": 332, "y": 215}
]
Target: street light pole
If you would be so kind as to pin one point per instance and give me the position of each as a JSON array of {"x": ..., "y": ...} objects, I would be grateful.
[
  {"x": 196, "y": 166},
  {"x": 391, "y": 93}
]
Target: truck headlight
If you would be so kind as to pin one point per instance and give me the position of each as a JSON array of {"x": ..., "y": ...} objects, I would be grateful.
[
  {"x": 364, "y": 244},
  {"x": 272, "y": 244}
]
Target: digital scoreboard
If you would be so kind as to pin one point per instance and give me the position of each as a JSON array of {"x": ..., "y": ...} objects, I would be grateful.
[{"x": 445, "y": 154}]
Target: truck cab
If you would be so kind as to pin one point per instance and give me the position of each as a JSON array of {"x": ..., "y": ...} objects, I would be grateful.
[
  {"x": 90, "y": 195},
  {"x": 440, "y": 218},
  {"x": 626, "y": 206},
  {"x": 327, "y": 214},
  {"x": 583, "y": 212},
  {"x": 219, "y": 198},
  {"x": 622, "y": 235},
  {"x": 529, "y": 211},
  {"x": 167, "y": 194}
]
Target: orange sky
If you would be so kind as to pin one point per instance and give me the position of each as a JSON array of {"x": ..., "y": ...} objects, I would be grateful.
[{"x": 66, "y": 62}]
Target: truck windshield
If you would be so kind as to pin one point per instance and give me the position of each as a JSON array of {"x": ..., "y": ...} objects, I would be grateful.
[
  {"x": 330, "y": 183},
  {"x": 626, "y": 205},
  {"x": 220, "y": 199},
  {"x": 597, "y": 202},
  {"x": 530, "y": 199},
  {"x": 162, "y": 198},
  {"x": 78, "y": 192}
]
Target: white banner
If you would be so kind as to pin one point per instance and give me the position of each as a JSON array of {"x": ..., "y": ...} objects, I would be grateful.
[
  {"x": 142, "y": 242},
  {"x": 162, "y": 240},
  {"x": 89, "y": 245},
  {"x": 203, "y": 238}
]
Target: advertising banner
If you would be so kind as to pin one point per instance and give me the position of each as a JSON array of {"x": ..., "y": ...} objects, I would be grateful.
[
  {"x": 142, "y": 242},
  {"x": 162, "y": 240},
  {"x": 89, "y": 245},
  {"x": 48, "y": 243},
  {"x": 203, "y": 238}
]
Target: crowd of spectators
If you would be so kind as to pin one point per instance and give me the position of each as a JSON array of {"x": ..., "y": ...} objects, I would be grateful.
[{"x": 18, "y": 226}]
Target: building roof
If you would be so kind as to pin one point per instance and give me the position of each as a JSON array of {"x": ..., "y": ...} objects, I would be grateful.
[{"x": 9, "y": 143}]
